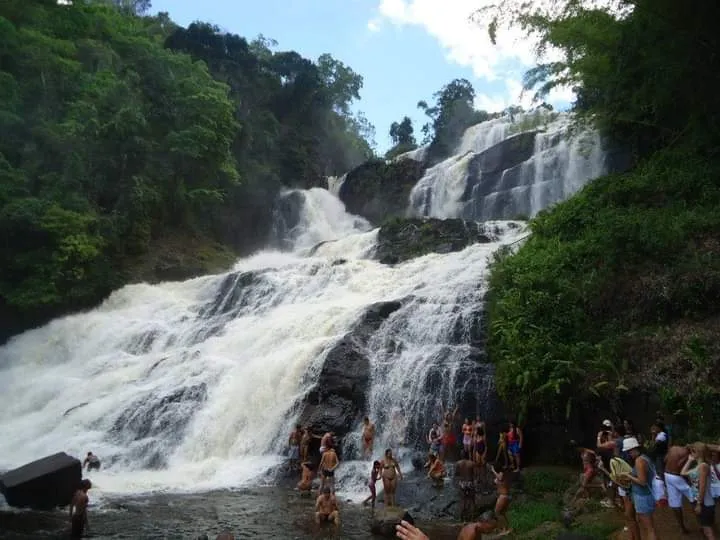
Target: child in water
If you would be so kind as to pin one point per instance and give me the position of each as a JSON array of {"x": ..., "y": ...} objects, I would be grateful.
[{"x": 374, "y": 475}]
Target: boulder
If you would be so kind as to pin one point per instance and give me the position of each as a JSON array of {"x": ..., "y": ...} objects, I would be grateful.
[
  {"x": 403, "y": 239},
  {"x": 378, "y": 190},
  {"x": 337, "y": 401},
  {"x": 384, "y": 521},
  {"x": 43, "y": 484}
]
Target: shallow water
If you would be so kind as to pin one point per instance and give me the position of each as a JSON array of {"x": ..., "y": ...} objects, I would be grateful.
[{"x": 254, "y": 513}]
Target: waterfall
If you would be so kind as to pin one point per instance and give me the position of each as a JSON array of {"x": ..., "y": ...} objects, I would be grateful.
[
  {"x": 335, "y": 183},
  {"x": 194, "y": 385},
  {"x": 509, "y": 167}
]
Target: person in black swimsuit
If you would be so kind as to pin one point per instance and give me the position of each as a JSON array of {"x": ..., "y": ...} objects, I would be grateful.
[{"x": 328, "y": 464}]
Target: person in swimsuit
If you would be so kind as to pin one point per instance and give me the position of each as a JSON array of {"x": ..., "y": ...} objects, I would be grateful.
[
  {"x": 436, "y": 470},
  {"x": 374, "y": 477},
  {"x": 447, "y": 440},
  {"x": 294, "y": 447},
  {"x": 502, "y": 481},
  {"x": 390, "y": 475},
  {"x": 474, "y": 531},
  {"x": 368, "y": 436},
  {"x": 308, "y": 474},
  {"x": 465, "y": 472},
  {"x": 326, "y": 508},
  {"x": 467, "y": 431},
  {"x": 78, "y": 510},
  {"x": 514, "y": 445},
  {"x": 502, "y": 450},
  {"x": 697, "y": 470},
  {"x": 92, "y": 462},
  {"x": 328, "y": 463},
  {"x": 479, "y": 451},
  {"x": 305, "y": 444},
  {"x": 326, "y": 441},
  {"x": 434, "y": 439}
]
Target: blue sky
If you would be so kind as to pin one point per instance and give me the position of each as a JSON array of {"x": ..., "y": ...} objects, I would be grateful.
[{"x": 405, "y": 49}]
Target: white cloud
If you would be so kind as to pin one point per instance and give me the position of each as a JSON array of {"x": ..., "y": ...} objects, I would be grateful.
[
  {"x": 467, "y": 43},
  {"x": 374, "y": 25}
]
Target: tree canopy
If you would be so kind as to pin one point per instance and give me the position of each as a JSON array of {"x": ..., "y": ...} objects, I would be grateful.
[{"x": 119, "y": 128}]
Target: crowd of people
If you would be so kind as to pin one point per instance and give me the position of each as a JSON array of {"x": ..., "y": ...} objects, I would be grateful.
[
  {"x": 473, "y": 472},
  {"x": 639, "y": 475}
]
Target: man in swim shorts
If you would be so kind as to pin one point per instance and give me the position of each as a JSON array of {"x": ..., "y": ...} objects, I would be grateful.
[
  {"x": 326, "y": 508},
  {"x": 328, "y": 463},
  {"x": 677, "y": 486},
  {"x": 78, "y": 510},
  {"x": 92, "y": 462},
  {"x": 465, "y": 473}
]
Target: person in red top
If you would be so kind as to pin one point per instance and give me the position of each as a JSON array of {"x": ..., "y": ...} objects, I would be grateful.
[{"x": 514, "y": 445}]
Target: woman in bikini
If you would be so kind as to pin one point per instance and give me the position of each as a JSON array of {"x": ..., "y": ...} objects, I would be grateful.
[
  {"x": 390, "y": 475},
  {"x": 479, "y": 450},
  {"x": 502, "y": 481}
]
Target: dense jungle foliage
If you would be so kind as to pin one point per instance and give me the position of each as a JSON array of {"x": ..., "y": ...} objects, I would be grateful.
[
  {"x": 122, "y": 133},
  {"x": 616, "y": 293}
]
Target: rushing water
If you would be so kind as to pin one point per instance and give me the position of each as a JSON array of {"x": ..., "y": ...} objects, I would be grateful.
[
  {"x": 562, "y": 161},
  {"x": 192, "y": 386}
]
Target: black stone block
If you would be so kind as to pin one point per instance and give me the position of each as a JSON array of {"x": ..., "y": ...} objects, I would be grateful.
[{"x": 43, "y": 484}]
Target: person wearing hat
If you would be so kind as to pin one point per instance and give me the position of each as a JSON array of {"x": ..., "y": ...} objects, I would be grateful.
[{"x": 641, "y": 487}]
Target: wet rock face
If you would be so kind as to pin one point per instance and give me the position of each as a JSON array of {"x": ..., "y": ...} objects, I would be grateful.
[
  {"x": 337, "y": 402},
  {"x": 377, "y": 190},
  {"x": 403, "y": 239},
  {"x": 43, "y": 484}
]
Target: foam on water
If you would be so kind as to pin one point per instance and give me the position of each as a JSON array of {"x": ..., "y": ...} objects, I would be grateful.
[{"x": 191, "y": 386}]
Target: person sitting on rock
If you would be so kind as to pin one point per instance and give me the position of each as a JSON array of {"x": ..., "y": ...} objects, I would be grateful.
[
  {"x": 465, "y": 473},
  {"x": 487, "y": 524},
  {"x": 326, "y": 507},
  {"x": 328, "y": 463},
  {"x": 308, "y": 474},
  {"x": 92, "y": 462},
  {"x": 437, "y": 470},
  {"x": 78, "y": 510}
]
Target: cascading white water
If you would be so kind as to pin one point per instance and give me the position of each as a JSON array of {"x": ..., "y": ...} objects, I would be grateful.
[
  {"x": 561, "y": 163},
  {"x": 335, "y": 183},
  {"x": 192, "y": 385}
]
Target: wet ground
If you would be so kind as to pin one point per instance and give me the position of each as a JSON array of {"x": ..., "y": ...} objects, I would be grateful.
[{"x": 260, "y": 513}]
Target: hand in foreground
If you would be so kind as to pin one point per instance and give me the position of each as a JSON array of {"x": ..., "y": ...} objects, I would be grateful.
[{"x": 410, "y": 532}]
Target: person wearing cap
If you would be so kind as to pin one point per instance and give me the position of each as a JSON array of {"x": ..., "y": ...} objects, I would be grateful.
[{"x": 641, "y": 487}]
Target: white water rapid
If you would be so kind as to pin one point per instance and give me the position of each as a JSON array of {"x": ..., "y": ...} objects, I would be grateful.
[
  {"x": 193, "y": 385},
  {"x": 510, "y": 167}
]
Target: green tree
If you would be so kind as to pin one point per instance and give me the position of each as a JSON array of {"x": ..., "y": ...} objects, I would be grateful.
[{"x": 402, "y": 133}]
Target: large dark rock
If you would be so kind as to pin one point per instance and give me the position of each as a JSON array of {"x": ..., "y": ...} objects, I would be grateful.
[
  {"x": 337, "y": 401},
  {"x": 403, "y": 239},
  {"x": 385, "y": 521},
  {"x": 379, "y": 190},
  {"x": 43, "y": 484}
]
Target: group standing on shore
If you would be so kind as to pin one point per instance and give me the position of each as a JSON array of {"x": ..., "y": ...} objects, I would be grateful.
[{"x": 652, "y": 473}]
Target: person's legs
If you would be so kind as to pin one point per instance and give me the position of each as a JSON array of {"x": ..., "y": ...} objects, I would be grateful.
[
  {"x": 630, "y": 518},
  {"x": 649, "y": 525},
  {"x": 677, "y": 488}
]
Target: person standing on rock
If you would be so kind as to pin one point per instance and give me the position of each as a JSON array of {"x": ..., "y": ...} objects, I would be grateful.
[
  {"x": 326, "y": 441},
  {"x": 374, "y": 477},
  {"x": 78, "y": 510},
  {"x": 465, "y": 473},
  {"x": 326, "y": 508},
  {"x": 434, "y": 439},
  {"x": 294, "y": 447},
  {"x": 480, "y": 451},
  {"x": 514, "y": 445},
  {"x": 305, "y": 444},
  {"x": 368, "y": 437},
  {"x": 328, "y": 463},
  {"x": 390, "y": 474}
]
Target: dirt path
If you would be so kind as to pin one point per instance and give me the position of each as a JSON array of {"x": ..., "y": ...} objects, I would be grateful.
[{"x": 668, "y": 529}]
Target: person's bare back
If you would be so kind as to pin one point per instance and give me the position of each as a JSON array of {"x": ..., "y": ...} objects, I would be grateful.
[
  {"x": 78, "y": 510},
  {"x": 465, "y": 470},
  {"x": 675, "y": 459}
]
